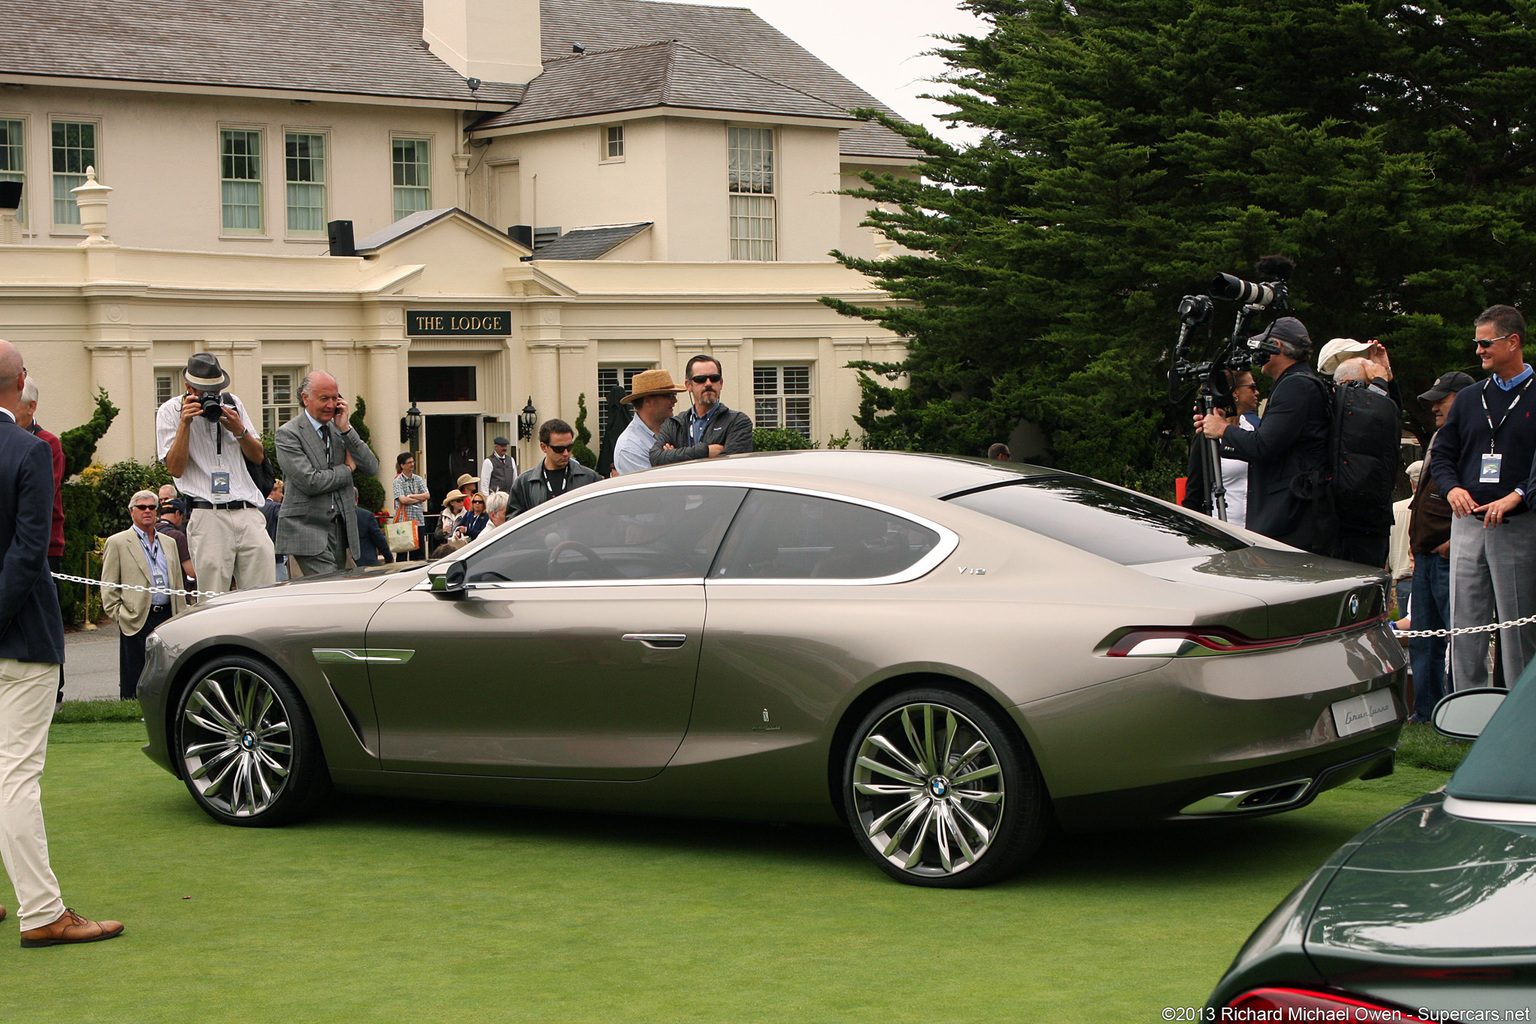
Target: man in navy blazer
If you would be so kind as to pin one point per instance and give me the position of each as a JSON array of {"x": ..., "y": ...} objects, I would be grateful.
[{"x": 31, "y": 651}]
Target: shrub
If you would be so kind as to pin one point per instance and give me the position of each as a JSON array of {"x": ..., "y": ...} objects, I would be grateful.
[
  {"x": 370, "y": 493},
  {"x": 579, "y": 451},
  {"x": 778, "y": 439}
]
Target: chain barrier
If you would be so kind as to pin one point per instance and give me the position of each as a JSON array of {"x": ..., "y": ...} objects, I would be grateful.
[
  {"x": 1464, "y": 630},
  {"x": 1404, "y": 633},
  {"x": 130, "y": 586}
]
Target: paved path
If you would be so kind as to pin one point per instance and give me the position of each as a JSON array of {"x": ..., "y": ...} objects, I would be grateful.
[{"x": 90, "y": 664}]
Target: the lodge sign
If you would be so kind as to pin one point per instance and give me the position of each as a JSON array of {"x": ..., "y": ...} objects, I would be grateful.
[{"x": 429, "y": 322}]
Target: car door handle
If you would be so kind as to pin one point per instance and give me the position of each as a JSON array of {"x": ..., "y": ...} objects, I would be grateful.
[{"x": 658, "y": 641}]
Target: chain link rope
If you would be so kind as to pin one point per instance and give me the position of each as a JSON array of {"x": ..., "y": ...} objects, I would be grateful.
[{"x": 1404, "y": 633}]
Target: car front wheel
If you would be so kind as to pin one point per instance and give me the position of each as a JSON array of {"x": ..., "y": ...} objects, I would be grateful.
[
  {"x": 940, "y": 792},
  {"x": 248, "y": 750}
]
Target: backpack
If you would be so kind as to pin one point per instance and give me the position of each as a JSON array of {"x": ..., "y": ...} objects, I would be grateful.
[{"x": 1353, "y": 492}]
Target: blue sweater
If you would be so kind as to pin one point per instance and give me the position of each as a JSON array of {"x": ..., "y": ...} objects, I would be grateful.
[{"x": 1456, "y": 459}]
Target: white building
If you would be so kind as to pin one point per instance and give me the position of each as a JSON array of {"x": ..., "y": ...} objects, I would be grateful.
[{"x": 546, "y": 197}]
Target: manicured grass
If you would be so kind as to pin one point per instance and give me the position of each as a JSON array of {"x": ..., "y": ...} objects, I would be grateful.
[
  {"x": 395, "y": 911},
  {"x": 74, "y": 711},
  {"x": 1422, "y": 747}
]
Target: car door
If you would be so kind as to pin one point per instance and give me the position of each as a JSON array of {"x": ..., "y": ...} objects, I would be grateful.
[{"x": 572, "y": 650}]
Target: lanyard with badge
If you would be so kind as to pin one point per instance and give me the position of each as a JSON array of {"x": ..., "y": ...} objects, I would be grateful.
[
  {"x": 219, "y": 483},
  {"x": 549, "y": 484},
  {"x": 152, "y": 548},
  {"x": 1489, "y": 466}
]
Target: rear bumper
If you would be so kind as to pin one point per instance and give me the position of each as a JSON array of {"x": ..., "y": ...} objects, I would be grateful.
[{"x": 1371, "y": 758}]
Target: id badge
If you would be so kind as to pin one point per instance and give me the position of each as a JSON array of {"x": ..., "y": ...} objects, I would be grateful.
[
  {"x": 221, "y": 484},
  {"x": 160, "y": 580},
  {"x": 1489, "y": 474}
]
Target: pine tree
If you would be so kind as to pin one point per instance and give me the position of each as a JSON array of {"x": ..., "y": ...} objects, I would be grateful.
[{"x": 1132, "y": 149}]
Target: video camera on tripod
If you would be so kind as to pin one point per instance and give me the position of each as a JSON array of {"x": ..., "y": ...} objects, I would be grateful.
[{"x": 1214, "y": 375}]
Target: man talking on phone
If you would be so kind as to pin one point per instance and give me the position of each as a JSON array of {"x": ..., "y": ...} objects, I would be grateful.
[{"x": 317, "y": 451}]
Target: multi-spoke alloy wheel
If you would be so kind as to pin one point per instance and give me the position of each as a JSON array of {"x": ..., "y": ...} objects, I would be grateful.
[
  {"x": 248, "y": 750},
  {"x": 940, "y": 793}
]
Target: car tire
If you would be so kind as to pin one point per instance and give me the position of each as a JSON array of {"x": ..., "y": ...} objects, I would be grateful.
[
  {"x": 941, "y": 791},
  {"x": 246, "y": 745}
]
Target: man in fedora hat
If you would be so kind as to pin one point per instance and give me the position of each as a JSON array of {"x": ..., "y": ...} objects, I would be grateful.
[
  {"x": 206, "y": 455},
  {"x": 654, "y": 396},
  {"x": 499, "y": 469}
]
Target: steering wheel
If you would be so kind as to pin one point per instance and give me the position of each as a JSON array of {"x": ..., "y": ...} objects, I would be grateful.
[{"x": 576, "y": 546}]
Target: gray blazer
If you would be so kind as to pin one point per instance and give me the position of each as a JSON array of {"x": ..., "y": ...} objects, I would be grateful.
[{"x": 311, "y": 487}]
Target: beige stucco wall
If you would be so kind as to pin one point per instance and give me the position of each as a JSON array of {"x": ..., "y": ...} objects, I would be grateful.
[{"x": 163, "y": 150}]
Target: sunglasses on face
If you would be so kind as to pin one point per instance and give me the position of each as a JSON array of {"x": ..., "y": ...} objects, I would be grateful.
[
  {"x": 559, "y": 449},
  {"x": 705, "y": 378},
  {"x": 480, "y": 503},
  {"x": 1488, "y": 342},
  {"x": 146, "y": 508}
]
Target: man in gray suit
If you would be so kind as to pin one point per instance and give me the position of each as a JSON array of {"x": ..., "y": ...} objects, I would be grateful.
[{"x": 317, "y": 451}]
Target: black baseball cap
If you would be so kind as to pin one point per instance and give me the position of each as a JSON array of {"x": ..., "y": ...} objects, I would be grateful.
[{"x": 1450, "y": 382}]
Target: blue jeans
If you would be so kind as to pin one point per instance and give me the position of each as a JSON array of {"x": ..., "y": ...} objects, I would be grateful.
[{"x": 1431, "y": 608}]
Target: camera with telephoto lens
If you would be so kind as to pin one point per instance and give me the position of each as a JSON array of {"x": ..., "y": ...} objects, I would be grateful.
[{"x": 214, "y": 403}]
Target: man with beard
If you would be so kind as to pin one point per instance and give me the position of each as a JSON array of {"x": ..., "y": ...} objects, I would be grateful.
[{"x": 706, "y": 429}]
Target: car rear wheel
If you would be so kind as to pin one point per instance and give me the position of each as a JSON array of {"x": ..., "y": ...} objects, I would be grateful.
[
  {"x": 247, "y": 747},
  {"x": 940, "y": 791}
]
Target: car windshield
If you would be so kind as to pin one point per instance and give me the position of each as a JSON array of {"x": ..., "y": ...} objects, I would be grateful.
[
  {"x": 1502, "y": 763},
  {"x": 1101, "y": 519}
]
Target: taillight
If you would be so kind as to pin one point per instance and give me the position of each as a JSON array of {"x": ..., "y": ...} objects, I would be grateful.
[
  {"x": 1204, "y": 641},
  {"x": 1303, "y": 1004}
]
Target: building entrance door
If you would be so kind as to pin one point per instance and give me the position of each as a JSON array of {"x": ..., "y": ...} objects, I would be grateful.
[{"x": 452, "y": 449}]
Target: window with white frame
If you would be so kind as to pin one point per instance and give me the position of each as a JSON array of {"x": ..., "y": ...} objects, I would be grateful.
[
  {"x": 279, "y": 397},
  {"x": 412, "y": 163},
  {"x": 782, "y": 397},
  {"x": 74, "y": 149},
  {"x": 304, "y": 172},
  {"x": 165, "y": 386},
  {"x": 613, "y": 143},
  {"x": 608, "y": 378},
  {"x": 753, "y": 226},
  {"x": 13, "y": 162},
  {"x": 240, "y": 180}
]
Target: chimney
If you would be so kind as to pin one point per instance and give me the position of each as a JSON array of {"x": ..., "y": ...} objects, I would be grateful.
[{"x": 493, "y": 40}]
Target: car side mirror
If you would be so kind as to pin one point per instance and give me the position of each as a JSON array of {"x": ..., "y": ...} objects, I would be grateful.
[
  {"x": 1464, "y": 714},
  {"x": 449, "y": 583}
]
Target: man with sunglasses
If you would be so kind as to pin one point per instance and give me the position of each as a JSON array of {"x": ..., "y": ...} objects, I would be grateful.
[
  {"x": 707, "y": 428},
  {"x": 1481, "y": 460},
  {"x": 139, "y": 556},
  {"x": 554, "y": 475}
]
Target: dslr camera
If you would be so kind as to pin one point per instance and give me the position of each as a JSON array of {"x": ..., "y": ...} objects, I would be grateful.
[{"x": 213, "y": 404}]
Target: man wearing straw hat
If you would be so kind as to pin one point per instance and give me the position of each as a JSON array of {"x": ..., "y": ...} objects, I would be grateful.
[
  {"x": 654, "y": 397},
  {"x": 205, "y": 451}
]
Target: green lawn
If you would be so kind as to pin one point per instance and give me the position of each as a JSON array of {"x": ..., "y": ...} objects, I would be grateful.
[{"x": 405, "y": 912}]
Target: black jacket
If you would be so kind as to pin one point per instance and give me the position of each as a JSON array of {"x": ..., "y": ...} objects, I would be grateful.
[
  {"x": 530, "y": 490},
  {"x": 728, "y": 427},
  {"x": 371, "y": 542},
  {"x": 30, "y": 626},
  {"x": 1292, "y": 440}
]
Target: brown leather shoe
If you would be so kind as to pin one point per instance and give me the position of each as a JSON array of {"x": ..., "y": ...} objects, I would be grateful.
[
  {"x": 2, "y": 913},
  {"x": 71, "y": 928}
]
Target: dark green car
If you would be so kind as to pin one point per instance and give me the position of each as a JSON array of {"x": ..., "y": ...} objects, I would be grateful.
[{"x": 1429, "y": 914}]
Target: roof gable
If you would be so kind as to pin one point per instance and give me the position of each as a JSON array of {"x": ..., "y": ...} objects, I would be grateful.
[{"x": 666, "y": 74}]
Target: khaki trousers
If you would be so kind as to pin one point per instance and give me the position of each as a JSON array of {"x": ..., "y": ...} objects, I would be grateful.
[
  {"x": 28, "y": 691},
  {"x": 231, "y": 544}
]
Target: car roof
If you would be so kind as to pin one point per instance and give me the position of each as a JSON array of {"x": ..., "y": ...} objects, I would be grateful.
[{"x": 932, "y": 476}]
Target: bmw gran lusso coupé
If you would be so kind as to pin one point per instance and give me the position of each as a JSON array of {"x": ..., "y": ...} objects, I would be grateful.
[{"x": 947, "y": 654}]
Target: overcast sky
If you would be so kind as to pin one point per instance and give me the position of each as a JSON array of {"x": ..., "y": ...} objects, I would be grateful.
[{"x": 876, "y": 43}]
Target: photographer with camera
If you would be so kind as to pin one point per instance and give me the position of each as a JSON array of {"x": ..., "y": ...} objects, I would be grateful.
[
  {"x": 205, "y": 438},
  {"x": 1240, "y": 394},
  {"x": 1287, "y": 455}
]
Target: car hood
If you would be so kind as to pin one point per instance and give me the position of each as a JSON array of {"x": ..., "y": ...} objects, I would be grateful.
[
  {"x": 1301, "y": 592},
  {"x": 350, "y": 581},
  {"x": 1432, "y": 885}
]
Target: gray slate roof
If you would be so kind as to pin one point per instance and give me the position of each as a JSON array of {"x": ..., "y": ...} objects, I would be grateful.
[
  {"x": 731, "y": 35},
  {"x": 588, "y": 243},
  {"x": 361, "y": 47},
  {"x": 667, "y": 74}
]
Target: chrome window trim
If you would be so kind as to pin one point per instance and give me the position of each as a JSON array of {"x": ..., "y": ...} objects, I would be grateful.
[
  {"x": 947, "y": 543},
  {"x": 1490, "y": 810}
]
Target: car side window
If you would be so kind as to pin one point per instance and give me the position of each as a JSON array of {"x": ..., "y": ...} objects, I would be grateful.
[
  {"x": 643, "y": 533},
  {"x": 779, "y": 535}
]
